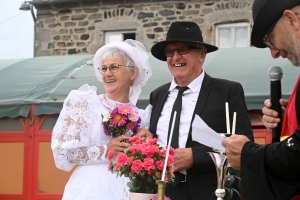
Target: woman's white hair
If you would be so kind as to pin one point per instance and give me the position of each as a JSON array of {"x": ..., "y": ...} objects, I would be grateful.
[
  {"x": 111, "y": 51},
  {"x": 134, "y": 54}
]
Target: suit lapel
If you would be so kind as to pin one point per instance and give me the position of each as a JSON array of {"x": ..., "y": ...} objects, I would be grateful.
[
  {"x": 160, "y": 100},
  {"x": 203, "y": 95}
]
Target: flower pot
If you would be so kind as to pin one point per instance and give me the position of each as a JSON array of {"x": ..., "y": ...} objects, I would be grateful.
[{"x": 140, "y": 196}]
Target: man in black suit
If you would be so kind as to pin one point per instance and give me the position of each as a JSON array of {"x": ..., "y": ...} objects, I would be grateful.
[
  {"x": 273, "y": 171},
  {"x": 185, "y": 52}
]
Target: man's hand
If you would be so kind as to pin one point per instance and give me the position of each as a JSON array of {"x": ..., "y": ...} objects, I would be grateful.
[
  {"x": 270, "y": 116},
  {"x": 144, "y": 134},
  {"x": 117, "y": 145},
  {"x": 183, "y": 159},
  {"x": 234, "y": 145}
]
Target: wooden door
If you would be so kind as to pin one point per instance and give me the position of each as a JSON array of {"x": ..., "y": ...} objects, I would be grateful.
[{"x": 27, "y": 169}]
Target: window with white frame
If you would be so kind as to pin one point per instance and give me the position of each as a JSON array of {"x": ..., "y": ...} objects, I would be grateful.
[
  {"x": 233, "y": 35},
  {"x": 118, "y": 36}
]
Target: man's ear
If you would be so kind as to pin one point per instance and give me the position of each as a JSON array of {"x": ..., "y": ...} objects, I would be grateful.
[
  {"x": 202, "y": 56},
  {"x": 292, "y": 18}
]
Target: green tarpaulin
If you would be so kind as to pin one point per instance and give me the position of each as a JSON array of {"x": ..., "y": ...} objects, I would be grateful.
[{"x": 46, "y": 81}]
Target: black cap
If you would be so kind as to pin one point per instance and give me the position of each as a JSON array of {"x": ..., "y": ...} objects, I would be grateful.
[{"x": 265, "y": 14}]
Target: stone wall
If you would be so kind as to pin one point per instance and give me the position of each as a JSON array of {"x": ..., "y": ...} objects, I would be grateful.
[{"x": 80, "y": 30}]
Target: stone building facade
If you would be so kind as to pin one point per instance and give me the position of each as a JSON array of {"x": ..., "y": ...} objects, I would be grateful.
[{"x": 66, "y": 27}]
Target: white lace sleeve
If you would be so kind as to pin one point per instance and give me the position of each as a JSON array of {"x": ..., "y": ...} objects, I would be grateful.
[
  {"x": 145, "y": 116},
  {"x": 72, "y": 134}
]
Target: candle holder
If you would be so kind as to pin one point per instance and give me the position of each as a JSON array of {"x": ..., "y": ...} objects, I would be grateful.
[
  {"x": 161, "y": 189},
  {"x": 221, "y": 164}
]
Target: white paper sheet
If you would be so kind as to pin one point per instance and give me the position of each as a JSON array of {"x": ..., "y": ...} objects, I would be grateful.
[{"x": 205, "y": 135}]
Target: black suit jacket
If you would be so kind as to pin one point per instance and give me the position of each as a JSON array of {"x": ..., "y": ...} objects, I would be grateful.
[
  {"x": 272, "y": 171},
  {"x": 210, "y": 106}
]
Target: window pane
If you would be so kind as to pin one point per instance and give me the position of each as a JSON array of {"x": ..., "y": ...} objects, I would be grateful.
[
  {"x": 241, "y": 37},
  {"x": 224, "y": 37},
  {"x": 10, "y": 124},
  {"x": 129, "y": 36},
  {"x": 49, "y": 122},
  {"x": 11, "y": 168},
  {"x": 50, "y": 178},
  {"x": 113, "y": 37}
]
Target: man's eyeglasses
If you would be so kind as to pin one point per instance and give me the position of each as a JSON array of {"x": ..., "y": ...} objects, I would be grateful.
[
  {"x": 181, "y": 50},
  {"x": 265, "y": 41},
  {"x": 113, "y": 68}
]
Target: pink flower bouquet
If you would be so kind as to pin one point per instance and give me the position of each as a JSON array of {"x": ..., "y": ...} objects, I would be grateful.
[
  {"x": 121, "y": 119},
  {"x": 143, "y": 163}
]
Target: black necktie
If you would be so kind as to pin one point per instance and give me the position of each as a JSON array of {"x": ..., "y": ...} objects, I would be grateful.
[{"x": 176, "y": 107}]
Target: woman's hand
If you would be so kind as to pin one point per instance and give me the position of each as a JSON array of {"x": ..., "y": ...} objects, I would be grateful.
[{"x": 117, "y": 145}]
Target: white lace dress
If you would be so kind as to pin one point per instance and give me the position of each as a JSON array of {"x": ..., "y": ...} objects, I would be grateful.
[{"x": 78, "y": 139}]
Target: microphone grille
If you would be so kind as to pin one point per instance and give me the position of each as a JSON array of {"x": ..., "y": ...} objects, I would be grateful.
[{"x": 275, "y": 73}]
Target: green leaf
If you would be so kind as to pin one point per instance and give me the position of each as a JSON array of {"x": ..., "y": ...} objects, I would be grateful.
[
  {"x": 149, "y": 179},
  {"x": 122, "y": 169},
  {"x": 158, "y": 175},
  {"x": 131, "y": 188}
]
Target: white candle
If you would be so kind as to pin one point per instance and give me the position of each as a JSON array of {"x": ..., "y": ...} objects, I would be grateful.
[
  {"x": 168, "y": 148},
  {"x": 227, "y": 118},
  {"x": 233, "y": 123}
]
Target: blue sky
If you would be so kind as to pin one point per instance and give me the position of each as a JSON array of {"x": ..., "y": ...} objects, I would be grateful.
[{"x": 16, "y": 31}]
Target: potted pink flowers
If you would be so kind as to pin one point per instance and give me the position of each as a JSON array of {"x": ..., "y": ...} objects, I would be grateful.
[
  {"x": 121, "y": 120},
  {"x": 143, "y": 164}
]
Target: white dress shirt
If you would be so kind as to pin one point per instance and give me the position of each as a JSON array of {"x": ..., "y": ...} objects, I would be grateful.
[{"x": 189, "y": 100}]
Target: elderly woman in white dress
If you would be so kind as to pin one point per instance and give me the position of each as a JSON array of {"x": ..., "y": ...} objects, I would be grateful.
[{"x": 78, "y": 138}]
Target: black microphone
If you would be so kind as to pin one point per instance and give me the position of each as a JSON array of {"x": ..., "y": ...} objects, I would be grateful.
[{"x": 275, "y": 74}]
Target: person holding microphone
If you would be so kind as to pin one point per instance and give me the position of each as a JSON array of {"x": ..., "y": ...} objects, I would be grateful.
[{"x": 272, "y": 171}]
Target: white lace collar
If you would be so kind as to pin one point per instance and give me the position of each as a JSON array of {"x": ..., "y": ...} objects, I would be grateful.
[{"x": 111, "y": 104}]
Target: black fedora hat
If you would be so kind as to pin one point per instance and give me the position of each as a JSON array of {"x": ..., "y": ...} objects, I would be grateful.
[
  {"x": 180, "y": 32},
  {"x": 265, "y": 14}
]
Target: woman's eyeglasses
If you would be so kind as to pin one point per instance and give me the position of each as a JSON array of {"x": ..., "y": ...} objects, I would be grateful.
[
  {"x": 181, "y": 50},
  {"x": 113, "y": 68}
]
